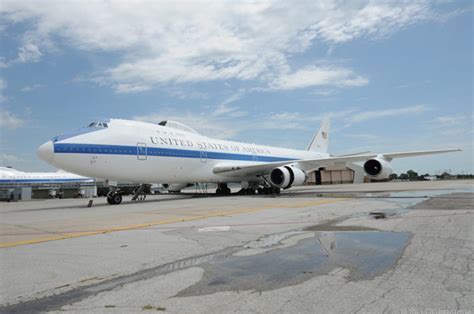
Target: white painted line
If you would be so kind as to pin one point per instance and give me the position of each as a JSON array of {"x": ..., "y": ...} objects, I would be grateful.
[{"x": 217, "y": 228}]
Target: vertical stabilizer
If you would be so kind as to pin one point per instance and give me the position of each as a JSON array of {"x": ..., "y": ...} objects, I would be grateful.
[{"x": 320, "y": 140}]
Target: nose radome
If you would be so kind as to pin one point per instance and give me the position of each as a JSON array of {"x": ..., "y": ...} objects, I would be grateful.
[{"x": 46, "y": 152}]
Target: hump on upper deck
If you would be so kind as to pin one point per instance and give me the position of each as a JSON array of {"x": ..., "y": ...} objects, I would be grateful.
[{"x": 177, "y": 125}]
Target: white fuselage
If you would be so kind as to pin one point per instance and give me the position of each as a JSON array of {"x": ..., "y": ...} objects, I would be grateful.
[{"x": 132, "y": 151}]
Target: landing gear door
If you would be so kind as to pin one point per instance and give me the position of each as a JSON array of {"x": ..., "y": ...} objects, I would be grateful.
[{"x": 142, "y": 152}]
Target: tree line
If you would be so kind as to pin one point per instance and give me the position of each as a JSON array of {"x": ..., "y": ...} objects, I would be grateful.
[{"x": 412, "y": 175}]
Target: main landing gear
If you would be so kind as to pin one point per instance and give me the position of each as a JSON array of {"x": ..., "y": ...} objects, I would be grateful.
[
  {"x": 268, "y": 191},
  {"x": 260, "y": 188},
  {"x": 252, "y": 188},
  {"x": 222, "y": 189},
  {"x": 260, "y": 191},
  {"x": 114, "y": 197},
  {"x": 140, "y": 193}
]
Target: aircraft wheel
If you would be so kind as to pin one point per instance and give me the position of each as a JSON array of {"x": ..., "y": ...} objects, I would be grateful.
[
  {"x": 117, "y": 198},
  {"x": 110, "y": 200},
  {"x": 223, "y": 191},
  {"x": 114, "y": 199}
]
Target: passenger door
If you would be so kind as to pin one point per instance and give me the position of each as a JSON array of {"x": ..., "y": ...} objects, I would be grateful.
[
  {"x": 203, "y": 154},
  {"x": 254, "y": 153},
  {"x": 142, "y": 152}
]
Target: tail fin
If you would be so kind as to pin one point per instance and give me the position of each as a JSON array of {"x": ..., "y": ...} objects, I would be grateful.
[{"x": 320, "y": 140}]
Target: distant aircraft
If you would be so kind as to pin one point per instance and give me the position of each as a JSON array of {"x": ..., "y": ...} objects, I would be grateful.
[
  {"x": 175, "y": 154},
  {"x": 12, "y": 178}
]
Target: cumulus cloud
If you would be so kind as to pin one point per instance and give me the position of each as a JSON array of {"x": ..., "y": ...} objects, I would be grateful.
[
  {"x": 319, "y": 76},
  {"x": 450, "y": 120},
  {"x": 29, "y": 53},
  {"x": 374, "y": 114},
  {"x": 9, "y": 158},
  {"x": 226, "y": 121},
  {"x": 128, "y": 88},
  {"x": 10, "y": 120},
  {"x": 30, "y": 88},
  {"x": 3, "y": 63},
  {"x": 3, "y": 85},
  {"x": 298, "y": 120},
  {"x": 453, "y": 125},
  {"x": 217, "y": 122},
  {"x": 163, "y": 43},
  {"x": 204, "y": 124}
]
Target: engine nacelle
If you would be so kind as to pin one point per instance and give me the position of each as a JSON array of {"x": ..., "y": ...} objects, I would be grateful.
[
  {"x": 378, "y": 168},
  {"x": 287, "y": 176}
]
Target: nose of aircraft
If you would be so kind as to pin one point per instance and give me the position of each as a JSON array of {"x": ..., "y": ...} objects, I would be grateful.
[{"x": 46, "y": 152}]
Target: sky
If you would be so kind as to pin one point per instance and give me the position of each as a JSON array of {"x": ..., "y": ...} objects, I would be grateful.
[{"x": 391, "y": 75}]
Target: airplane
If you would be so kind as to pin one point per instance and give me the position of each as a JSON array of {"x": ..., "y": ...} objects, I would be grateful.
[
  {"x": 174, "y": 154},
  {"x": 11, "y": 178}
]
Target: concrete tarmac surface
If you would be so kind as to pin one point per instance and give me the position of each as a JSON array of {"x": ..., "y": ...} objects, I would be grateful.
[{"x": 379, "y": 247}]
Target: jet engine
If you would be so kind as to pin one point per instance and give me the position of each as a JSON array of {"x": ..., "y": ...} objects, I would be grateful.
[
  {"x": 286, "y": 176},
  {"x": 378, "y": 168}
]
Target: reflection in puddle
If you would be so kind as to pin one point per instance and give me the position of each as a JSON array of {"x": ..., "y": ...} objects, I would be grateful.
[{"x": 366, "y": 254}]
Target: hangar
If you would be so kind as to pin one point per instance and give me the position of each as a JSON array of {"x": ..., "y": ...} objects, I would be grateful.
[{"x": 337, "y": 174}]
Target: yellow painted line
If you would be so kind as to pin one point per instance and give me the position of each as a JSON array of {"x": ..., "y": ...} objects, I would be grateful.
[{"x": 226, "y": 213}]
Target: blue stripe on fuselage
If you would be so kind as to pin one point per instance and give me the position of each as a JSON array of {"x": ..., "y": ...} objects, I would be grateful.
[{"x": 95, "y": 149}]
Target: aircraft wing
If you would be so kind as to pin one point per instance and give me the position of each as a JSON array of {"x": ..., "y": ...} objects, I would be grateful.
[{"x": 312, "y": 164}]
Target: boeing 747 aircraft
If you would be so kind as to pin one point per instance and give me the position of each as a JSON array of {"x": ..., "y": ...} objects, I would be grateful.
[{"x": 175, "y": 154}]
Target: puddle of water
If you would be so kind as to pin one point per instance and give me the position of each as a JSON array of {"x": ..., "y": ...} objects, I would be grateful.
[
  {"x": 410, "y": 198},
  {"x": 366, "y": 254},
  {"x": 404, "y": 198},
  {"x": 271, "y": 240}
]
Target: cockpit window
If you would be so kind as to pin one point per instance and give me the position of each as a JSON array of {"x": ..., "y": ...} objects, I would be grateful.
[
  {"x": 98, "y": 125},
  {"x": 177, "y": 126}
]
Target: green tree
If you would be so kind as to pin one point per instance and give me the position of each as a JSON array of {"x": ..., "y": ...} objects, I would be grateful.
[
  {"x": 393, "y": 176},
  {"x": 445, "y": 175},
  {"x": 412, "y": 175},
  {"x": 403, "y": 176}
]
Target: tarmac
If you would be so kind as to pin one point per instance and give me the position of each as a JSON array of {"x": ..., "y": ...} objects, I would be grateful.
[{"x": 381, "y": 247}]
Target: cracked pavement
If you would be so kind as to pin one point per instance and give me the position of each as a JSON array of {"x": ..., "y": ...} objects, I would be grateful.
[{"x": 124, "y": 271}]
